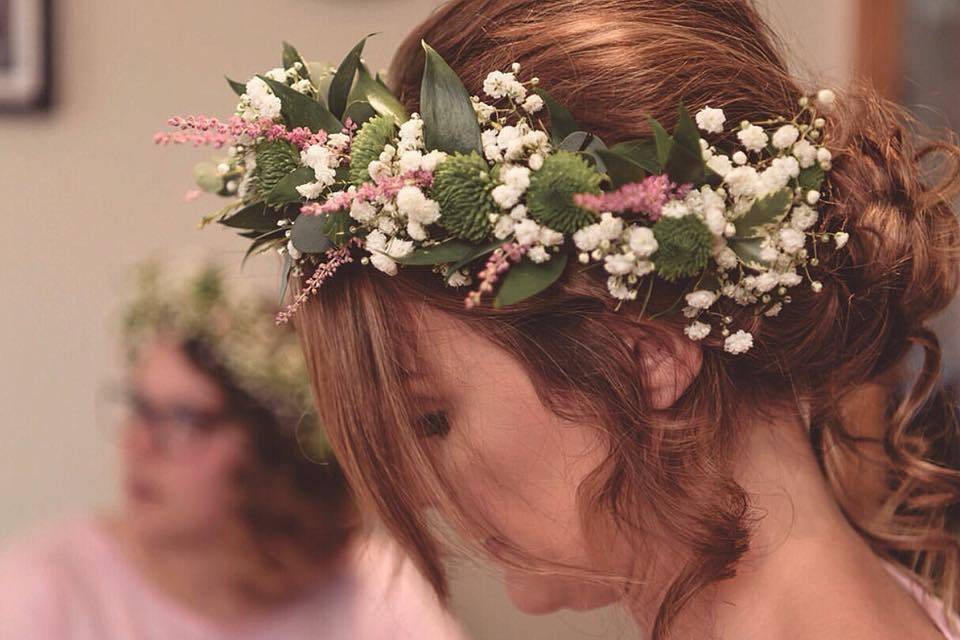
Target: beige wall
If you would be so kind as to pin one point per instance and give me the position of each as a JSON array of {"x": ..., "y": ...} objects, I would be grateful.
[{"x": 85, "y": 194}]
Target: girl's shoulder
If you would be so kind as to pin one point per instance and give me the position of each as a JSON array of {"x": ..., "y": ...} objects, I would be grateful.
[{"x": 946, "y": 620}]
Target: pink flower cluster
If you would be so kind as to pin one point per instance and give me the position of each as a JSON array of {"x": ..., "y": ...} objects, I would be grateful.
[
  {"x": 499, "y": 263},
  {"x": 383, "y": 187},
  {"x": 646, "y": 197},
  {"x": 204, "y": 130},
  {"x": 336, "y": 258}
]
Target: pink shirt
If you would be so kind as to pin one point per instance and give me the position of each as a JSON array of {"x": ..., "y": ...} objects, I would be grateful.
[
  {"x": 934, "y": 606},
  {"x": 72, "y": 583}
]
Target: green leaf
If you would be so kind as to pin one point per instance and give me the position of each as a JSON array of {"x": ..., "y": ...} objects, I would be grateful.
[
  {"x": 449, "y": 251},
  {"x": 685, "y": 163},
  {"x": 528, "y": 278},
  {"x": 662, "y": 141},
  {"x": 449, "y": 121},
  {"x": 369, "y": 89},
  {"x": 302, "y": 111},
  {"x": 562, "y": 123},
  {"x": 621, "y": 169},
  {"x": 641, "y": 152},
  {"x": 337, "y": 227},
  {"x": 285, "y": 276},
  {"x": 811, "y": 178},
  {"x": 308, "y": 234},
  {"x": 285, "y": 191},
  {"x": 343, "y": 79},
  {"x": 291, "y": 57},
  {"x": 767, "y": 210},
  {"x": 748, "y": 250},
  {"x": 477, "y": 252},
  {"x": 321, "y": 75},
  {"x": 256, "y": 217},
  {"x": 359, "y": 111},
  {"x": 238, "y": 87}
]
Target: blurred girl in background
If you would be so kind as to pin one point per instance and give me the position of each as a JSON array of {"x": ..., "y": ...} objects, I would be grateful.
[{"x": 237, "y": 523}]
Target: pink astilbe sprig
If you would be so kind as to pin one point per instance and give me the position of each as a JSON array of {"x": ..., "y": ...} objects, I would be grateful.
[
  {"x": 209, "y": 131},
  {"x": 646, "y": 197},
  {"x": 335, "y": 258},
  {"x": 384, "y": 187},
  {"x": 499, "y": 263}
]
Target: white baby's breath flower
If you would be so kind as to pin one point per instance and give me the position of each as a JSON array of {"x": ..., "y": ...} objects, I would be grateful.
[
  {"x": 517, "y": 177},
  {"x": 805, "y": 153},
  {"x": 262, "y": 99},
  {"x": 519, "y": 212},
  {"x": 503, "y": 227},
  {"x": 817, "y": 286},
  {"x": 716, "y": 221},
  {"x": 538, "y": 254},
  {"x": 362, "y": 211},
  {"x": 701, "y": 299},
  {"x": 774, "y": 311},
  {"x": 841, "y": 238},
  {"x": 535, "y": 162},
  {"x": 416, "y": 231},
  {"x": 279, "y": 74},
  {"x": 790, "y": 278},
  {"x": 826, "y": 97},
  {"x": 410, "y": 160},
  {"x": 430, "y": 161},
  {"x": 720, "y": 164},
  {"x": 824, "y": 155},
  {"x": 499, "y": 85},
  {"x": 533, "y": 103},
  {"x": 642, "y": 241},
  {"x": 505, "y": 195},
  {"x": 803, "y": 217},
  {"x": 753, "y": 138},
  {"x": 550, "y": 237},
  {"x": 791, "y": 240},
  {"x": 527, "y": 232},
  {"x": 588, "y": 238},
  {"x": 611, "y": 227},
  {"x": 618, "y": 264},
  {"x": 739, "y": 342},
  {"x": 311, "y": 190},
  {"x": 459, "y": 279},
  {"x": 743, "y": 181},
  {"x": 726, "y": 259},
  {"x": 619, "y": 289},
  {"x": 739, "y": 158},
  {"x": 711, "y": 120},
  {"x": 813, "y": 197},
  {"x": 697, "y": 330},
  {"x": 785, "y": 136},
  {"x": 766, "y": 281},
  {"x": 484, "y": 111},
  {"x": 293, "y": 251},
  {"x": 675, "y": 209}
]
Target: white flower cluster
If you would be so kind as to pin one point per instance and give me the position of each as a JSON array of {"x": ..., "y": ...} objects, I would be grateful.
[
  {"x": 396, "y": 223},
  {"x": 258, "y": 100},
  {"x": 625, "y": 250}
]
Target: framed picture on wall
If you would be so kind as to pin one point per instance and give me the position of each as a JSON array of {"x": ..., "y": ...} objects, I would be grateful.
[{"x": 24, "y": 54}]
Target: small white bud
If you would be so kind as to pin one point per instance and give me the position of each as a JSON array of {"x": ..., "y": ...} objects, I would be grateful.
[
  {"x": 813, "y": 197},
  {"x": 826, "y": 97}
]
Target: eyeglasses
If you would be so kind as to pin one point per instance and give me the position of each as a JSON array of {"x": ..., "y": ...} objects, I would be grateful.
[{"x": 171, "y": 426}]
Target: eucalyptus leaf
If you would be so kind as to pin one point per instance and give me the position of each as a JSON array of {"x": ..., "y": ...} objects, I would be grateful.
[
  {"x": 308, "y": 234},
  {"x": 662, "y": 140},
  {"x": 562, "y": 123},
  {"x": 685, "y": 164},
  {"x": 256, "y": 217},
  {"x": 749, "y": 250},
  {"x": 369, "y": 89},
  {"x": 299, "y": 110},
  {"x": 285, "y": 276},
  {"x": 449, "y": 251},
  {"x": 527, "y": 279},
  {"x": 285, "y": 191},
  {"x": 291, "y": 57},
  {"x": 767, "y": 210},
  {"x": 343, "y": 79},
  {"x": 358, "y": 111},
  {"x": 449, "y": 121},
  {"x": 238, "y": 87}
]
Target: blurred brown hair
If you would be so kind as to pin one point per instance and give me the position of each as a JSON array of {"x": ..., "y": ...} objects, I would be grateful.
[{"x": 613, "y": 63}]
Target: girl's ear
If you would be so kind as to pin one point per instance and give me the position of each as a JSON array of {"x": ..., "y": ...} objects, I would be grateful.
[{"x": 670, "y": 364}]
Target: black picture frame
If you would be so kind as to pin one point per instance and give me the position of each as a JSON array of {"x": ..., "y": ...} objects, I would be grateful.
[{"x": 25, "y": 55}]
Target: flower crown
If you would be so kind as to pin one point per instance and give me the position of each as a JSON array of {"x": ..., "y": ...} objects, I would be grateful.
[
  {"x": 194, "y": 300},
  {"x": 325, "y": 165}
]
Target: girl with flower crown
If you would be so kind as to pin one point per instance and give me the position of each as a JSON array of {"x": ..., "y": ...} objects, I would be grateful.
[
  {"x": 235, "y": 525},
  {"x": 660, "y": 407}
]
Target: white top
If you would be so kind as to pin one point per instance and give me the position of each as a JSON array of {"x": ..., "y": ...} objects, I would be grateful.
[{"x": 72, "y": 583}]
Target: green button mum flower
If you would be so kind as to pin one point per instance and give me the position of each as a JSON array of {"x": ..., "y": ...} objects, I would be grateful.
[
  {"x": 462, "y": 185},
  {"x": 550, "y": 196},
  {"x": 684, "y": 247},
  {"x": 373, "y": 136},
  {"x": 275, "y": 160}
]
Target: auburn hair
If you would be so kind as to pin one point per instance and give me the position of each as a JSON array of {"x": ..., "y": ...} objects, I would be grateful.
[{"x": 613, "y": 63}]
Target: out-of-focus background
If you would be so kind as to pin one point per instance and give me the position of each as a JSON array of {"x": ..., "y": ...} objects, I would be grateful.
[{"x": 85, "y": 194}]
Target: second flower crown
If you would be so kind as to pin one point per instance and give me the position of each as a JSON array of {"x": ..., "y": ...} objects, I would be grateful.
[{"x": 325, "y": 166}]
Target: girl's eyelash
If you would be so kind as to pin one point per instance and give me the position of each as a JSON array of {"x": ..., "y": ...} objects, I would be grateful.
[{"x": 433, "y": 425}]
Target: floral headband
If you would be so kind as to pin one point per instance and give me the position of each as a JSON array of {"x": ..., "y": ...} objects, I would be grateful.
[
  {"x": 195, "y": 300},
  {"x": 325, "y": 166}
]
